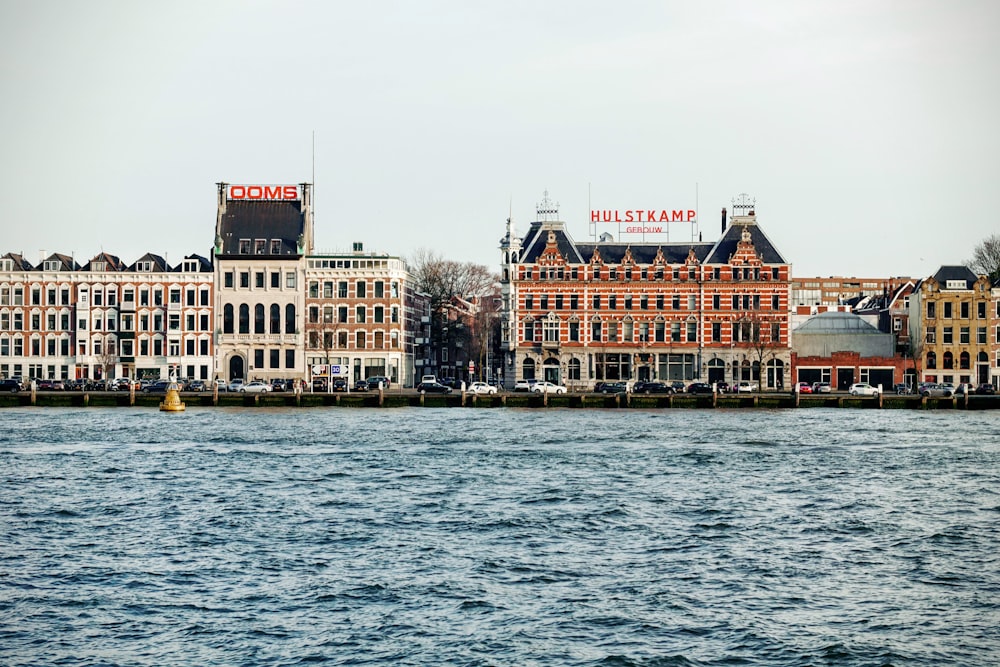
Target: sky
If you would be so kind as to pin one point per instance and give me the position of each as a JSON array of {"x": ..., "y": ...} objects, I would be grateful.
[{"x": 866, "y": 132}]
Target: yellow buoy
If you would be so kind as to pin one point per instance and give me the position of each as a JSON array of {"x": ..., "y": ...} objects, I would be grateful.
[{"x": 172, "y": 401}]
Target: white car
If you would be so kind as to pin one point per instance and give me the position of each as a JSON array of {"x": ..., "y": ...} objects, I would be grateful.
[
  {"x": 524, "y": 385},
  {"x": 548, "y": 388},
  {"x": 482, "y": 388},
  {"x": 235, "y": 385},
  {"x": 255, "y": 387},
  {"x": 863, "y": 389},
  {"x": 746, "y": 387}
]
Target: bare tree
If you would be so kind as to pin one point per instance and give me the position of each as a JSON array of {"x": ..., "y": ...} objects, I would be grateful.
[
  {"x": 756, "y": 336},
  {"x": 108, "y": 358},
  {"x": 986, "y": 258}
]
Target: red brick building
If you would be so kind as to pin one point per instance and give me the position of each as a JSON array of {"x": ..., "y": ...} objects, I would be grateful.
[{"x": 581, "y": 313}]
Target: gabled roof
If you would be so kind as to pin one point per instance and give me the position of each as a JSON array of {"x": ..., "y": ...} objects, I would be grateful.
[
  {"x": 66, "y": 262},
  {"x": 535, "y": 240},
  {"x": 111, "y": 263},
  {"x": 203, "y": 263},
  {"x": 19, "y": 262},
  {"x": 726, "y": 245},
  {"x": 266, "y": 220},
  {"x": 158, "y": 263}
]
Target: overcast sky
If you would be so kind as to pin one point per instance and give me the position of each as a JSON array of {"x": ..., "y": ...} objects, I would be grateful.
[{"x": 867, "y": 132}]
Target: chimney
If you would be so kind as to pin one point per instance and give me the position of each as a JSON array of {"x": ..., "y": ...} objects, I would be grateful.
[{"x": 723, "y": 220}]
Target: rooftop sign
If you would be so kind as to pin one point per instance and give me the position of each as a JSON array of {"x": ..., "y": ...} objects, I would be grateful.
[
  {"x": 643, "y": 221},
  {"x": 263, "y": 193}
]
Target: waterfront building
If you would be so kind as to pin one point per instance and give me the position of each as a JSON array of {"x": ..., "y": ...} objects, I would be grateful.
[
  {"x": 580, "y": 313},
  {"x": 262, "y": 236},
  {"x": 363, "y": 317},
  {"x": 842, "y": 348},
  {"x": 950, "y": 320},
  {"x": 838, "y": 290},
  {"x": 103, "y": 320}
]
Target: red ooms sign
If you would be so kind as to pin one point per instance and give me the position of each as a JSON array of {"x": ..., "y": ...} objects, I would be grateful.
[{"x": 263, "y": 192}]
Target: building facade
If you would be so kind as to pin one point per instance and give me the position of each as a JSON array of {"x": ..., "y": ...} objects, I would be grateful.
[
  {"x": 362, "y": 317},
  {"x": 951, "y": 316},
  {"x": 581, "y": 313}
]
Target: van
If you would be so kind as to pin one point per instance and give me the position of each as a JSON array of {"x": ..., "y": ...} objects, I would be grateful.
[{"x": 426, "y": 379}]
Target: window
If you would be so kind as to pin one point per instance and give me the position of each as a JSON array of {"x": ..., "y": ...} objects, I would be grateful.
[
  {"x": 227, "y": 318},
  {"x": 258, "y": 279},
  {"x": 259, "y": 245},
  {"x": 675, "y": 302},
  {"x": 529, "y": 302},
  {"x": 981, "y": 310},
  {"x": 379, "y": 289},
  {"x": 275, "y": 280},
  {"x": 964, "y": 308},
  {"x": 275, "y": 327},
  {"x": 244, "y": 279},
  {"x": 258, "y": 358},
  {"x": 692, "y": 332},
  {"x": 244, "y": 246},
  {"x": 244, "y": 318},
  {"x": 379, "y": 315},
  {"x": 551, "y": 330},
  {"x": 597, "y": 302},
  {"x": 612, "y": 302},
  {"x": 931, "y": 310},
  {"x": 716, "y": 332},
  {"x": 359, "y": 315},
  {"x": 595, "y": 331},
  {"x": 946, "y": 337},
  {"x": 947, "y": 310},
  {"x": 342, "y": 289},
  {"x": 361, "y": 289},
  {"x": 258, "y": 318},
  {"x": 573, "y": 302},
  {"x": 574, "y": 331},
  {"x": 290, "y": 280},
  {"x": 290, "y": 358},
  {"x": 981, "y": 335},
  {"x": 659, "y": 302},
  {"x": 360, "y": 340},
  {"x": 227, "y": 278},
  {"x": 275, "y": 250},
  {"x": 963, "y": 335},
  {"x": 275, "y": 358},
  {"x": 931, "y": 336}
]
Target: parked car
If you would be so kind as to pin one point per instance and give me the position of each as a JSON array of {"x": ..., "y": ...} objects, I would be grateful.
[
  {"x": 612, "y": 388},
  {"x": 745, "y": 387},
  {"x": 524, "y": 385},
  {"x": 862, "y": 389},
  {"x": 936, "y": 390},
  {"x": 196, "y": 385},
  {"x": 804, "y": 388},
  {"x": 482, "y": 388},
  {"x": 677, "y": 386},
  {"x": 374, "y": 380},
  {"x": 986, "y": 389},
  {"x": 433, "y": 388},
  {"x": 821, "y": 388},
  {"x": 652, "y": 388},
  {"x": 58, "y": 385},
  {"x": 319, "y": 385},
  {"x": 44, "y": 385},
  {"x": 235, "y": 385},
  {"x": 722, "y": 387},
  {"x": 339, "y": 384},
  {"x": 10, "y": 385},
  {"x": 255, "y": 387},
  {"x": 221, "y": 384},
  {"x": 547, "y": 388},
  {"x": 361, "y": 385},
  {"x": 699, "y": 388},
  {"x": 902, "y": 388},
  {"x": 158, "y": 387}
]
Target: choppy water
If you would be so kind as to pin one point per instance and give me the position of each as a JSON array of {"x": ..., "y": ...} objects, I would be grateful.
[{"x": 499, "y": 537}]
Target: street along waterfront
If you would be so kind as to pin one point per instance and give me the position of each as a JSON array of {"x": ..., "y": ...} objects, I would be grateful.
[{"x": 544, "y": 537}]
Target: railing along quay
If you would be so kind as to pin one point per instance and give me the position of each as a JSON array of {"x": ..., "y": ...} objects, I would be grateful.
[{"x": 409, "y": 397}]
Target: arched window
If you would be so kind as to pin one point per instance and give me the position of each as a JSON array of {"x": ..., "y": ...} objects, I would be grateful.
[
  {"x": 258, "y": 318},
  {"x": 963, "y": 360},
  {"x": 290, "y": 318},
  {"x": 931, "y": 360},
  {"x": 244, "y": 318},
  {"x": 528, "y": 369},
  {"x": 949, "y": 360},
  {"x": 227, "y": 318},
  {"x": 573, "y": 369},
  {"x": 275, "y": 318}
]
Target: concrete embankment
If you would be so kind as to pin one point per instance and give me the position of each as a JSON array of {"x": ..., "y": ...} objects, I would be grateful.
[{"x": 513, "y": 400}]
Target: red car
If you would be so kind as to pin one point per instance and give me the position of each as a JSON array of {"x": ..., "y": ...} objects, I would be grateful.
[{"x": 805, "y": 388}]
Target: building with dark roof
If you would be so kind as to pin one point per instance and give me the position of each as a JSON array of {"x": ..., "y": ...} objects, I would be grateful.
[
  {"x": 606, "y": 310},
  {"x": 950, "y": 325}
]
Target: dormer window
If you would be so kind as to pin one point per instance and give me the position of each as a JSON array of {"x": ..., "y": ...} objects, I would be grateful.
[
  {"x": 99, "y": 266},
  {"x": 6, "y": 264},
  {"x": 244, "y": 246},
  {"x": 50, "y": 265},
  {"x": 190, "y": 265},
  {"x": 259, "y": 245},
  {"x": 145, "y": 266},
  {"x": 275, "y": 246}
]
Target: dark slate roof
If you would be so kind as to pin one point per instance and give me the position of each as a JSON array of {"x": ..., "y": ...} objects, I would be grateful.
[
  {"x": 262, "y": 220},
  {"x": 66, "y": 261},
  {"x": 112, "y": 262},
  {"x": 726, "y": 246},
  {"x": 159, "y": 264},
  {"x": 19, "y": 262},
  {"x": 946, "y": 273},
  {"x": 203, "y": 263},
  {"x": 535, "y": 240}
]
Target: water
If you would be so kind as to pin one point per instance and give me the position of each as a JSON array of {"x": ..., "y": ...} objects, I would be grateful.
[{"x": 499, "y": 537}]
